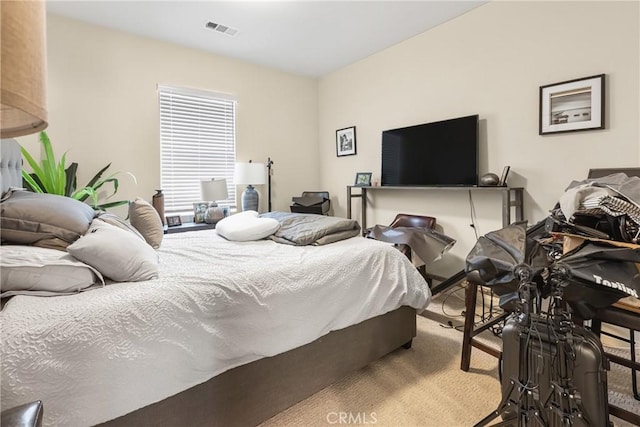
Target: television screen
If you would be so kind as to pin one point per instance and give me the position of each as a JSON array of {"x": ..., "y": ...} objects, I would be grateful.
[{"x": 443, "y": 153}]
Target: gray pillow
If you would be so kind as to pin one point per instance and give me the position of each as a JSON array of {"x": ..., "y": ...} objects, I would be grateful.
[
  {"x": 29, "y": 270},
  {"x": 116, "y": 253},
  {"x": 144, "y": 217},
  {"x": 44, "y": 220}
]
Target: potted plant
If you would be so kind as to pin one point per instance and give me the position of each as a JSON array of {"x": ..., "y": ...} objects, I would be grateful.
[{"x": 53, "y": 177}]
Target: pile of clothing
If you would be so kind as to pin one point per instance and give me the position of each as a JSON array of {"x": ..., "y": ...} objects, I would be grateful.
[
  {"x": 605, "y": 208},
  {"x": 587, "y": 247}
]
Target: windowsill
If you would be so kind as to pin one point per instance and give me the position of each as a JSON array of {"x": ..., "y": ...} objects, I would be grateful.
[{"x": 187, "y": 216}]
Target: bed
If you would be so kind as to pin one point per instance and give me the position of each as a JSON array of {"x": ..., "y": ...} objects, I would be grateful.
[{"x": 229, "y": 333}]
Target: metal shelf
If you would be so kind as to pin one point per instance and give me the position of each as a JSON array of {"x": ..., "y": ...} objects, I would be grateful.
[{"x": 511, "y": 198}]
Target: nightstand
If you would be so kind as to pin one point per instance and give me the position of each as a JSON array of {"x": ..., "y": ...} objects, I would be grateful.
[{"x": 188, "y": 226}]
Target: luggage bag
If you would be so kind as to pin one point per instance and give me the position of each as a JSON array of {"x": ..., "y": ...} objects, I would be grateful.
[{"x": 560, "y": 380}]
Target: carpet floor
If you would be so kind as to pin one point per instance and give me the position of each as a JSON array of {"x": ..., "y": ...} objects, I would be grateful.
[{"x": 424, "y": 386}]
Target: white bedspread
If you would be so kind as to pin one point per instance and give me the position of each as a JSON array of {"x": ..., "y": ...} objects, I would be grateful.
[{"x": 217, "y": 304}]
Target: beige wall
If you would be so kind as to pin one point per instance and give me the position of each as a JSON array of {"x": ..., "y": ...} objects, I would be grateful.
[
  {"x": 490, "y": 61},
  {"x": 103, "y": 107}
]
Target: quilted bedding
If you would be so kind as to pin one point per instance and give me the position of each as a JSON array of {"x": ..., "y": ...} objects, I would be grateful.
[
  {"x": 311, "y": 229},
  {"x": 217, "y": 304}
]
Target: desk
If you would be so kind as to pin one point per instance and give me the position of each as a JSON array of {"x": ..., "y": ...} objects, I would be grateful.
[{"x": 511, "y": 198}]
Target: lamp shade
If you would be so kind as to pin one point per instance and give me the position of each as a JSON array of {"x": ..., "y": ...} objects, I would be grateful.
[
  {"x": 23, "y": 68},
  {"x": 214, "y": 190},
  {"x": 250, "y": 173}
]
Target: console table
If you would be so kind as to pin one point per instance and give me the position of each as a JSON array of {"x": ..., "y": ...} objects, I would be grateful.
[{"x": 511, "y": 198}]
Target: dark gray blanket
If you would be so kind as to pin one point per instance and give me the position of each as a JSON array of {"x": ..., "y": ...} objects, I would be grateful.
[{"x": 310, "y": 229}]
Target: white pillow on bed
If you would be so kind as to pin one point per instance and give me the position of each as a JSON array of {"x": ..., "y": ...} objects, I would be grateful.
[
  {"x": 246, "y": 226},
  {"x": 116, "y": 253},
  {"x": 31, "y": 270}
]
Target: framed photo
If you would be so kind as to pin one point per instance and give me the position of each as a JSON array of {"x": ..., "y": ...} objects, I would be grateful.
[
  {"x": 199, "y": 211},
  {"x": 346, "y": 141},
  {"x": 572, "y": 105},
  {"x": 363, "y": 179},
  {"x": 173, "y": 221},
  {"x": 503, "y": 178}
]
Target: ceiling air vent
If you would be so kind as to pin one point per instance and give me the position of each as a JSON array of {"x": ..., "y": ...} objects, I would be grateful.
[{"x": 221, "y": 28}]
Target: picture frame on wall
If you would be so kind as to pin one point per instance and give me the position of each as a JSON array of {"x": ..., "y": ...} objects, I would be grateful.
[
  {"x": 573, "y": 105},
  {"x": 346, "y": 141},
  {"x": 363, "y": 179}
]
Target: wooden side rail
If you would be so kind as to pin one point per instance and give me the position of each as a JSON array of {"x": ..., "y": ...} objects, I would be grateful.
[
  {"x": 627, "y": 317},
  {"x": 470, "y": 330}
]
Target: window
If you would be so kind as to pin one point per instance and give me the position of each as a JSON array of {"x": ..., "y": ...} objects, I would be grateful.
[{"x": 197, "y": 142}]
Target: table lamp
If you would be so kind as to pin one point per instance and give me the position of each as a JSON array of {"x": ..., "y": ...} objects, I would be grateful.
[
  {"x": 250, "y": 174},
  {"x": 211, "y": 191}
]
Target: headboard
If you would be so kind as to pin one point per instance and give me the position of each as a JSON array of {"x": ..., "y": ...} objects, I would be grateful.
[{"x": 10, "y": 165}]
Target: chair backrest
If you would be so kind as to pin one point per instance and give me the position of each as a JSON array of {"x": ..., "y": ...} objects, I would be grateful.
[
  {"x": 324, "y": 194},
  {"x": 409, "y": 220},
  {"x": 599, "y": 173}
]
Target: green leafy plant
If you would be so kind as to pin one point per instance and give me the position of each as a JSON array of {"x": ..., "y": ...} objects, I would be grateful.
[{"x": 54, "y": 177}]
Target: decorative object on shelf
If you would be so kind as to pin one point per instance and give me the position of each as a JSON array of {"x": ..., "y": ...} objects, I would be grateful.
[
  {"x": 269, "y": 164},
  {"x": 363, "y": 179},
  {"x": 24, "y": 72},
  {"x": 249, "y": 174},
  {"x": 503, "y": 178},
  {"x": 157, "y": 200},
  {"x": 489, "y": 179},
  {"x": 173, "y": 221},
  {"x": 199, "y": 211},
  {"x": 572, "y": 105},
  {"x": 212, "y": 191},
  {"x": 346, "y": 141}
]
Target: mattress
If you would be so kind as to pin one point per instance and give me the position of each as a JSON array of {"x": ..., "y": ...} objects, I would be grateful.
[{"x": 97, "y": 355}]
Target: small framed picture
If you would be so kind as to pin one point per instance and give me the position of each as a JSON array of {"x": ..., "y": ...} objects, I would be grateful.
[
  {"x": 363, "y": 179},
  {"x": 173, "y": 221},
  {"x": 503, "y": 178},
  {"x": 226, "y": 211},
  {"x": 572, "y": 105},
  {"x": 346, "y": 141},
  {"x": 199, "y": 211}
]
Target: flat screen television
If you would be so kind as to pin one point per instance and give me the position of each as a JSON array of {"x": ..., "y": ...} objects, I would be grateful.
[{"x": 443, "y": 153}]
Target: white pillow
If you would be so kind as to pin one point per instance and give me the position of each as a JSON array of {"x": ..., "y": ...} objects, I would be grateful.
[
  {"x": 31, "y": 270},
  {"x": 116, "y": 253},
  {"x": 246, "y": 226}
]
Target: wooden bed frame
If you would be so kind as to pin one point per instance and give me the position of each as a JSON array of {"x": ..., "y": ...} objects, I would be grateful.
[{"x": 252, "y": 393}]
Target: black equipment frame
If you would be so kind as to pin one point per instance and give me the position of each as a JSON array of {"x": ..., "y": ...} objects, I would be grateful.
[{"x": 566, "y": 403}]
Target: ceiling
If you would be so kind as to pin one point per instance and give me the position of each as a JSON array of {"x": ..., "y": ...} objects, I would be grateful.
[{"x": 309, "y": 38}]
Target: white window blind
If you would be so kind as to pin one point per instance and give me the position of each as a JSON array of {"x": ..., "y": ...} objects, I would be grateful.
[{"x": 197, "y": 142}]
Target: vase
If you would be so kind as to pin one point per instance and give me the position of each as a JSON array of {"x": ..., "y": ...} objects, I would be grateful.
[{"x": 158, "y": 203}]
